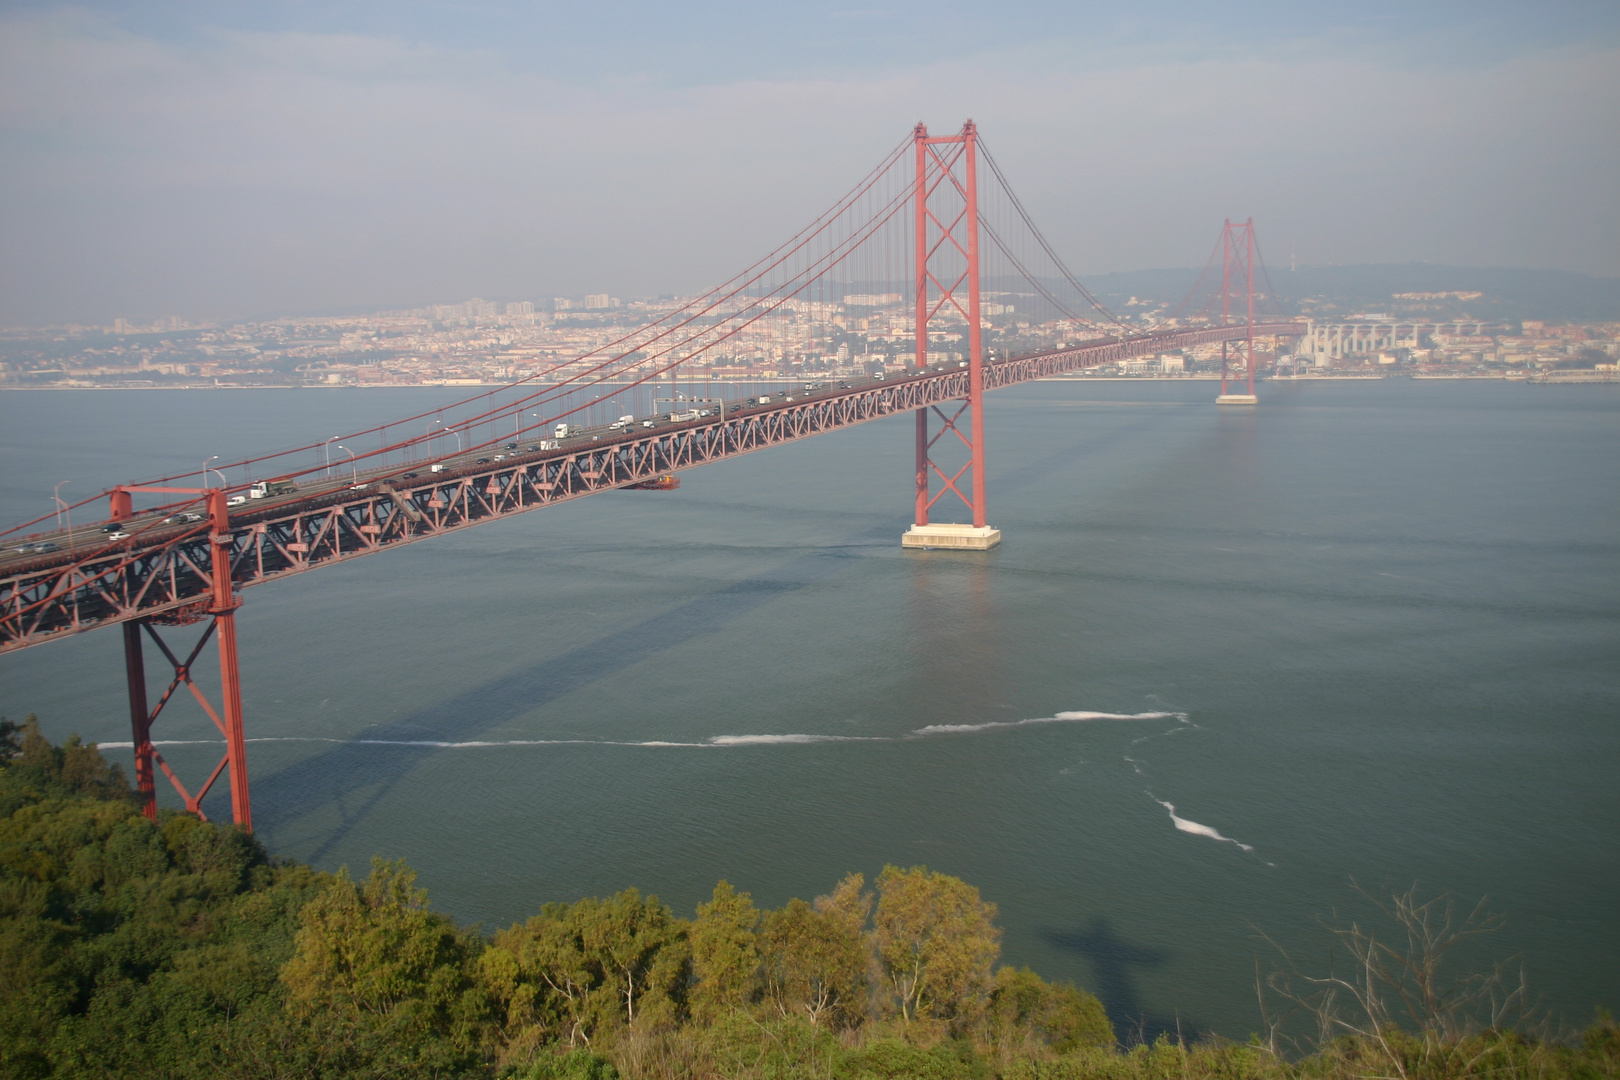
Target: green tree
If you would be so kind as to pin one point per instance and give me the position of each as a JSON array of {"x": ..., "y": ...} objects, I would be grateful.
[
  {"x": 936, "y": 942},
  {"x": 129, "y": 948},
  {"x": 725, "y": 954},
  {"x": 815, "y": 956},
  {"x": 383, "y": 983},
  {"x": 1025, "y": 1009},
  {"x": 583, "y": 972},
  {"x": 538, "y": 975},
  {"x": 10, "y": 742},
  {"x": 32, "y": 769},
  {"x": 641, "y": 950}
]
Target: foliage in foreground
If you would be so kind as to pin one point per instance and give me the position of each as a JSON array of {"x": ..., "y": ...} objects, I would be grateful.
[{"x": 180, "y": 949}]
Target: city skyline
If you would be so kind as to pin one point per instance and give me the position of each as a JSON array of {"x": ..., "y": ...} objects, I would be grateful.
[{"x": 219, "y": 165}]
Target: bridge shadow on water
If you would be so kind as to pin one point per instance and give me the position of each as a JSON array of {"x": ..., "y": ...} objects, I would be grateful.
[
  {"x": 351, "y": 778},
  {"x": 1112, "y": 960}
]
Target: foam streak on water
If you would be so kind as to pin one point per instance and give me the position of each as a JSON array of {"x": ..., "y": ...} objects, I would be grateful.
[
  {"x": 1194, "y": 827},
  {"x": 712, "y": 742}
]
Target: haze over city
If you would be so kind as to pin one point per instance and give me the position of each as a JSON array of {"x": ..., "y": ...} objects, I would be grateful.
[
  {"x": 1024, "y": 541},
  {"x": 220, "y": 162}
]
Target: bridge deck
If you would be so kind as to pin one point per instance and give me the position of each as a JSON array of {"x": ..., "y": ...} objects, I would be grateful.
[{"x": 85, "y": 580}]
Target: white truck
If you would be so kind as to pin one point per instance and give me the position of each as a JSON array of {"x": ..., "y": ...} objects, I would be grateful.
[{"x": 266, "y": 488}]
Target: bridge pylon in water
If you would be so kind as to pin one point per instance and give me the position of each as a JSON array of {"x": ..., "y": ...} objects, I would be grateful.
[
  {"x": 220, "y": 610},
  {"x": 1238, "y": 255},
  {"x": 946, "y": 266}
]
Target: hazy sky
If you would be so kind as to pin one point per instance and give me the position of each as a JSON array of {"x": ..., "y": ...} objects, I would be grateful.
[{"x": 227, "y": 159}]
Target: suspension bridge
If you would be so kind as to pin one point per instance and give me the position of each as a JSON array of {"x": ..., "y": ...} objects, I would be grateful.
[{"x": 925, "y": 217}]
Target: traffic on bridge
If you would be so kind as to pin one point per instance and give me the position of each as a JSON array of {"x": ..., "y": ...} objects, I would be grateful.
[{"x": 189, "y": 557}]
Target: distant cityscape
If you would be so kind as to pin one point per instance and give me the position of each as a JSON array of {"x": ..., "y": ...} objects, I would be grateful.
[{"x": 480, "y": 342}]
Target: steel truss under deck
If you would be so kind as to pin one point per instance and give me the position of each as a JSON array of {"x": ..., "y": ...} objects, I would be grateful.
[{"x": 168, "y": 572}]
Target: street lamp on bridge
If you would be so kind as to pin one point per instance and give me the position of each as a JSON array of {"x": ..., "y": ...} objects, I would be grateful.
[{"x": 61, "y": 508}]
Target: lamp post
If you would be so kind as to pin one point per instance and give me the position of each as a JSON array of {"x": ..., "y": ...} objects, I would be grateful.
[
  {"x": 56, "y": 494},
  {"x": 326, "y": 448},
  {"x": 354, "y": 469},
  {"x": 205, "y": 469}
]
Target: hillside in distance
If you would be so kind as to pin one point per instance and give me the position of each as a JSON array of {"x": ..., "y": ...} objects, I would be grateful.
[{"x": 1505, "y": 294}]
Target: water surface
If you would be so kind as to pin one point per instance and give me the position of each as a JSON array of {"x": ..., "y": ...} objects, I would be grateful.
[{"x": 1364, "y": 631}]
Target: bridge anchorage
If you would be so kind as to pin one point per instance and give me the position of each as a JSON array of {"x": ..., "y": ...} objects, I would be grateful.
[{"x": 936, "y": 217}]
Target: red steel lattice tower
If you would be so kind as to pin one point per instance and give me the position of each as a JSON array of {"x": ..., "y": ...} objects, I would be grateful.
[
  {"x": 1237, "y": 285},
  {"x": 220, "y": 609},
  {"x": 946, "y": 265}
]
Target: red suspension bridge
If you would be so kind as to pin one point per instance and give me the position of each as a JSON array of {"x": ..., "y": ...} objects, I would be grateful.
[{"x": 924, "y": 217}]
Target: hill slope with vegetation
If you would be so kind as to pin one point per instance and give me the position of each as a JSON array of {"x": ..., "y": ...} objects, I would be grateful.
[{"x": 180, "y": 948}]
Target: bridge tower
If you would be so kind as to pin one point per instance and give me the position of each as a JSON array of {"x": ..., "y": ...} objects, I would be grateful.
[
  {"x": 946, "y": 265},
  {"x": 220, "y": 610},
  {"x": 1237, "y": 290}
]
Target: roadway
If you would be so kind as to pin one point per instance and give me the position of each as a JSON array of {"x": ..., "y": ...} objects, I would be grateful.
[
  {"x": 168, "y": 523},
  {"x": 153, "y": 565}
]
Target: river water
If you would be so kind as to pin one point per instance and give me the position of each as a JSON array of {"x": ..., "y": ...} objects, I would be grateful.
[{"x": 1226, "y": 663}]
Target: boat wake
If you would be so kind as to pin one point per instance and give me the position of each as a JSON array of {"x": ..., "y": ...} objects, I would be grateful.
[
  {"x": 1057, "y": 718},
  {"x": 931, "y": 731},
  {"x": 735, "y": 742}
]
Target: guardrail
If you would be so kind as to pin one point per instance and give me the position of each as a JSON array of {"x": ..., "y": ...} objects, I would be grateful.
[{"x": 164, "y": 573}]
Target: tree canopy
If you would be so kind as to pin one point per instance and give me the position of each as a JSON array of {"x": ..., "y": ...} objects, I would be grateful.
[{"x": 180, "y": 949}]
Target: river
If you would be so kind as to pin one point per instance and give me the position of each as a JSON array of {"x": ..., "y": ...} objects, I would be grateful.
[{"x": 1227, "y": 664}]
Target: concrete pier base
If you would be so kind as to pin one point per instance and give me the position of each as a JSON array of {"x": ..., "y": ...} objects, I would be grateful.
[
  {"x": 953, "y": 537},
  {"x": 1235, "y": 399}
]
